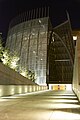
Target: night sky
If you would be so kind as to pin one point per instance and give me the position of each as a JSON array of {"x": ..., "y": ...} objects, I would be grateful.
[{"x": 11, "y": 8}]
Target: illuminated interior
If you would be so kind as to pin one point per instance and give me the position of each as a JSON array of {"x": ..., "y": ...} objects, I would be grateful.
[{"x": 60, "y": 87}]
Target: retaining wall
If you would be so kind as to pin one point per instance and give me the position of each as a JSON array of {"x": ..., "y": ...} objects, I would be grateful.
[
  {"x": 10, "y": 77},
  {"x": 11, "y": 82},
  {"x": 7, "y": 90}
]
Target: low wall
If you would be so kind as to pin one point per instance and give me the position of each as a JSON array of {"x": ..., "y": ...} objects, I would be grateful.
[
  {"x": 7, "y": 90},
  {"x": 11, "y": 83}
]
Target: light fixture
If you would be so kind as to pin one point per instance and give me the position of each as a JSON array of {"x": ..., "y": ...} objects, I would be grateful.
[
  {"x": 4, "y": 61},
  {"x": 53, "y": 39},
  {"x": 39, "y": 21},
  {"x": 34, "y": 52},
  {"x": 13, "y": 64},
  {"x": 0, "y": 92},
  {"x": 25, "y": 38},
  {"x": 12, "y": 91},
  {"x": 23, "y": 73},
  {"x": 74, "y": 37},
  {"x": 20, "y": 89},
  {"x": 41, "y": 59}
]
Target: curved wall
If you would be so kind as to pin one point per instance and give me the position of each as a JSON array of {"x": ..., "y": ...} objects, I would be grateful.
[{"x": 29, "y": 40}]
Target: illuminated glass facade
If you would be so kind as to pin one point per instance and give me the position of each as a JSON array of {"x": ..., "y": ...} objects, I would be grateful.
[
  {"x": 29, "y": 40},
  {"x": 46, "y": 51}
]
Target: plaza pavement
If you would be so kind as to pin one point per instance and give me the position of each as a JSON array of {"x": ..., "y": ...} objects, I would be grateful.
[{"x": 48, "y": 105}]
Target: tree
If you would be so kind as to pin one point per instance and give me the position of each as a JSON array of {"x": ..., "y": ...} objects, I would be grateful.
[{"x": 11, "y": 60}]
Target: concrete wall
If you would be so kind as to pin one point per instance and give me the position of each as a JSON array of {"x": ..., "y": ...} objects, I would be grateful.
[
  {"x": 12, "y": 83},
  {"x": 76, "y": 73},
  {"x": 7, "y": 90},
  {"x": 11, "y": 77}
]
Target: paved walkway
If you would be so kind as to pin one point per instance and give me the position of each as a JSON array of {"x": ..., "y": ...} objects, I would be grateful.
[{"x": 49, "y": 105}]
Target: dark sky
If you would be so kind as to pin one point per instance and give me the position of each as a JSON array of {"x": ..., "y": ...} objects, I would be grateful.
[{"x": 10, "y": 8}]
